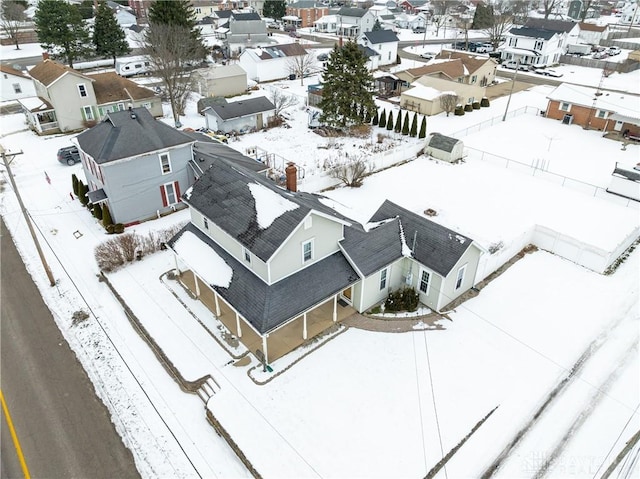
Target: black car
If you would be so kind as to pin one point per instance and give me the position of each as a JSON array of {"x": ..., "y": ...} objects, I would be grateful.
[
  {"x": 69, "y": 155},
  {"x": 323, "y": 57}
]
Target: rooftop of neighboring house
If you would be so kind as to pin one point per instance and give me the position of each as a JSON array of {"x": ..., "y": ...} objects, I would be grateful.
[
  {"x": 592, "y": 27},
  {"x": 111, "y": 87},
  {"x": 6, "y": 69},
  {"x": 559, "y": 26},
  {"x": 471, "y": 61},
  {"x": 278, "y": 51},
  {"x": 129, "y": 133},
  {"x": 352, "y": 12},
  {"x": 381, "y": 36},
  {"x": 424, "y": 92},
  {"x": 453, "y": 69},
  {"x": 227, "y": 110},
  {"x": 48, "y": 71},
  {"x": 623, "y": 103},
  {"x": 306, "y": 4},
  {"x": 532, "y": 32},
  {"x": 245, "y": 17}
]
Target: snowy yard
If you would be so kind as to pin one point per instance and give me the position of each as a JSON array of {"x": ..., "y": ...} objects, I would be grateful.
[{"x": 373, "y": 404}]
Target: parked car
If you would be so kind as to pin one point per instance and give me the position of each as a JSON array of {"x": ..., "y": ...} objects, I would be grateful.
[
  {"x": 419, "y": 30},
  {"x": 512, "y": 64},
  {"x": 289, "y": 28},
  {"x": 294, "y": 34},
  {"x": 69, "y": 155},
  {"x": 426, "y": 55},
  {"x": 600, "y": 55},
  {"x": 613, "y": 51},
  {"x": 323, "y": 57},
  {"x": 483, "y": 48},
  {"x": 547, "y": 72}
]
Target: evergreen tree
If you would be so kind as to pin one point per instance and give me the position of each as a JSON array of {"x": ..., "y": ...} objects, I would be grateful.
[
  {"x": 109, "y": 39},
  {"x": 61, "y": 30},
  {"x": 375, "y": 119},
  {"x": 483, "y": 17},
  {"x": 376, "y": 26},
  {"x": 398, "y": 126},
  {"x": 390, "y": 121},
  {"x": 383, "y": 119},
  {"x": 74, "y": 184},
  {"x": 414, "y": 126},
  {"x": 178, "y": 13},
  {"x": 97, "y": 212},
  {"x": 423, "y": 128},
  {"x": 367, "y": 116},
  {"x": 82, "y": 193},
  {"x": 405, "y": 123},
  {"x": 86, "y": 9},
  {"x": 275, "y": 9},
  {"x": 106, "y": 216},
  {"x": 347, "y": 89}
]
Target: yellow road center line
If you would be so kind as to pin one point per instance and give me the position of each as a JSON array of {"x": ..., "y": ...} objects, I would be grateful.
[{"x": 14, "y": 436}]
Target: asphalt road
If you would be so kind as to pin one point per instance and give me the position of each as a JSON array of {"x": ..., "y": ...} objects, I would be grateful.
[{"x": 63, "y": 428}]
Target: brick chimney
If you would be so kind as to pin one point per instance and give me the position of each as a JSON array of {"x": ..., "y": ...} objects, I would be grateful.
[
  {"x": 292, "y": 174},
  {"x": 45, "y": 55}
]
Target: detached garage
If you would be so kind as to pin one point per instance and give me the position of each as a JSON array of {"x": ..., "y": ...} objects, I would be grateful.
[
  {"x": 444, "y": 148},
  {"x": 239, "y": 116}
]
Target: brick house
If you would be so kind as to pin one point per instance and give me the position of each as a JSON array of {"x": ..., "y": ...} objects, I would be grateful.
[{"x": 306, "y": 13}]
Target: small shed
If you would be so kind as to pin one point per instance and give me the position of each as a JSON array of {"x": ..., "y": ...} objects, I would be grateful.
[
  {"x": 239, "y": 116},
  {"x": 625, "y": 181},
  {"x": 444, "y": 148}
]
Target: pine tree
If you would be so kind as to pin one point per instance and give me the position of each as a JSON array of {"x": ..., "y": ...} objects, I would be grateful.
[
  {"x": 74, "y": 184},
  {"x": 376, "y": 26},
  {"x": 483, "y": 17},
  {"x": 109, "y": 39},
  {"x": 347, "y": 88},
  {"x": 398, "y": 126},
  {"x": 383, "y": 119},
  {"x": 177, "y": 13},
  {"x": 106, "y": 216},
  {"x": 414, "y": 126},
  {"x": 390, "y": 121},
  {"x": 405, "y": 123},
  {"x": 367, "y": 116},
  {"x": 423, "y": 128},
  {"x": 375, "y": 119},
  {"x": 97, "y": 212},
  {"x": 82, "y": 193},
  {"x": 275, "y": 9},
  {"x": 60, "y": 28}
]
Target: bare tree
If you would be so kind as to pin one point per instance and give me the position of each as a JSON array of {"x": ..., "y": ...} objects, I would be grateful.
[
  {"x": 440, "y": 21},
  {"x": 12, "y": 18},
  {"x": 301, "y": 66},
  {"x": 351, "y": 171},
  {"x": 170, "y": 57},
  {"x": 519, "y": 11},
  {"x": 586, "y": 5},
  {"x": 448, "y": 102},
  {"x": 501, "y": 24},
  {"x": 548, "y": 6},
  {"x": 281, "y": 100}
]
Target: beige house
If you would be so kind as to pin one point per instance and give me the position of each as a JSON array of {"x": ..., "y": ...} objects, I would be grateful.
[
  {"x": 224, "y": 80},
  {"x": 465, "y": 74},
  {"x": 67, "y": 100}
]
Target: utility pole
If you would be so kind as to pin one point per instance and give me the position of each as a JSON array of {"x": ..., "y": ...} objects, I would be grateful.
[
  {"x": 513, "y": 84},
  {"x": 6, "y": 162}
]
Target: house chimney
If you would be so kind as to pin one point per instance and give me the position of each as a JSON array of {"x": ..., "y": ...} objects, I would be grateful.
[
  {"x": 45, "y": 55},
  {"x": 292, "y": 173}
]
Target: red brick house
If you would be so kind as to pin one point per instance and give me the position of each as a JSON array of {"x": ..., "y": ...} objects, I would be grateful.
[
  {"x": 305, "y": 13},
  {"x": 590, "y": 108}
]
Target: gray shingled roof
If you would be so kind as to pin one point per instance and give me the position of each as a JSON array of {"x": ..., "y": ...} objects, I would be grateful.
[
  {"x": 268, "y": 306},
  {"x": 436, "y": 247},
  {"x": 371, "y": 251},
  {"x": 240, "y": 108},
  {"x": 222, "y": 194},
  {"x": 243, "y": 17},
  {"x": 207, "y": 152},
  {"x": 441, "y": 142},
  {"x": 551, "y": 25},
  {"x": 352, "y": 12},
  {"x": 381, "y": 36},
  {"x": 127, "y": 133},
  {"x": 532, "y": 32}
]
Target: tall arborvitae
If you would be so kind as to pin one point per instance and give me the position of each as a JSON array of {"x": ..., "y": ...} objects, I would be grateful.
[
  {"x": 405, "y": 123},
  {"x": 383, "y": 119},
  {"x": 375, "y": 119},
  {"x": 423, "y": 128},
  {"x": 414, "y": 126},
  {"x": 390, "y": 121},
  {"x": 398, "y": 126},
  {"x": 74, "y": 184},
  {"x": 106, "y": 216}
]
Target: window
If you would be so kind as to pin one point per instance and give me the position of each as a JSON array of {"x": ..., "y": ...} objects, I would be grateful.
[
  {"x": 88, "y": 113},
  {"x": 82, "y": 90},
  {"x": 170, "y": 193},
  {"x": 165, "y": 163},
  {"x": 460, "y": 277},
  {"x": 17, "y": 88},
  {"x": 383, "y": 279},
  {"x": 474, "y": 79},
  {"x": 601, "y": 114},
  {"x": 564, "y": 106},
  {"x": 307, "y": 251},
  {"x": 538, "y": 45},
  {"x": 206, "y": 223},
  {"x": 308, "y": 222},
  {"x": 120, "y": 106},
  {"x": 247, "y": 254},
  {"x": 424, "y": 281}
]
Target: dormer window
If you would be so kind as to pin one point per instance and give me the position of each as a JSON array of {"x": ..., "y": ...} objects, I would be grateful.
[{"x": 82, "y": 90}]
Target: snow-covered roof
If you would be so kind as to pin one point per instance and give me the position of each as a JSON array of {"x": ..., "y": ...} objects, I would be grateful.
[
  {"x": 35, "y": 103},
  {"x": 624, "y": 104},
  {"x": 424, "y": 92},
  {"x": 210, "y": 266}
]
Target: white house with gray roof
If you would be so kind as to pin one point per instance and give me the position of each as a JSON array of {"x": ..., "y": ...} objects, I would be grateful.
[
  {"x": 287, "y": 260},
  {"x": 383, "y": 42},
  {"x": 135, "y": 164},
  {"x": 270, "y": 63},
  {"x": 239, "y": 116},
  {"x": 351, "y": 22},
  {"x": 540, "y": 42}
]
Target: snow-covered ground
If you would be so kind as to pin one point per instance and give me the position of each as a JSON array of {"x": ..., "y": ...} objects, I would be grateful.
[{"x": 372, "y": 404}]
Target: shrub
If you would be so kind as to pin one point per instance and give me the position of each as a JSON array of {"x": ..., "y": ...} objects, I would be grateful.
[
  {"x": 375, "y": 118},
  {"x": 413, "y": 132},
  {"x": 351, "y": 172},
  {"x": 484, "y": 101},
  {"x": 405, "y": 123},
  {"x": 74, "y": 184},
  {"x": 459, "y": 111},
  {"x": 476, "y": 105},
  {"x": 97, "y": 212},
  {"x": 405, "y": 299},
  {"x": 106, "y": 217},
  {"x": 382, "y": 123},
  {"x": 398, "y": 127},
  {"x": 390, "y": 121},
  {"x": 82, "y": 193},
  {"x": 118, "y": 228},
  {"x": 423, "y": 128},
  {"x": 468, "y": 107}
]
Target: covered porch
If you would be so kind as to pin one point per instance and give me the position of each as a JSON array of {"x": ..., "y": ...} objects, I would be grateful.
[
  {"x": 41, "y": 116},
  {"x": 281, "y": 340}
]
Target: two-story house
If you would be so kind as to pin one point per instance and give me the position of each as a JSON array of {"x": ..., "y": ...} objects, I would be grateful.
[
  {"x": 135, "y": 164},
  {"x": 539, "y": 42},
  {"x": 279, "y": 266},
  {"x": 68, "y": 100},
  {"x": 15, "y": 84},
  {"x": 383, "y": 42},
  {"x": 304, "y": 13},
  {"x": 351, "y": 22},
  {"x": 270, "y": 63},
  {"x": 467, "y": 75},
  {"x": 245, "y": 30},
  {"x": 592, "y": 33}
]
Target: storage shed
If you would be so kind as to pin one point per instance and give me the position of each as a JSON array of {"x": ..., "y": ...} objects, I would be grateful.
[
  {"x": 625, "y": 181},
  {"x": 444, "y": 148}
]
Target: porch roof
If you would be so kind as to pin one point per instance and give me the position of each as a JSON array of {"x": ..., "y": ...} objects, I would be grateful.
[
  {"x": 35, "y": 104},
  {"x": 97, "y": 196},
  {"x": 267, "y": 307}
]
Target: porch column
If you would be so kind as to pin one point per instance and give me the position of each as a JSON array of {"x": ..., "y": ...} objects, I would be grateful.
[
  {"x": 175, "y": 258},
  {"x": 195, "y": 278},
  {"x": 304, "y": 326},
  {"x": 238, "y": 330},
  {"x": 264, "y": 349},
  {"x": 215, "y": 297},
  {"x": 335, "y": 308}
]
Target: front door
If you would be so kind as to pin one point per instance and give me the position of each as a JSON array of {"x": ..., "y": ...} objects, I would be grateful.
[
  {"x": 346, "y": 294},
  {"x": 259, "y": 121},
  {"x": 618, "y": 125}
]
